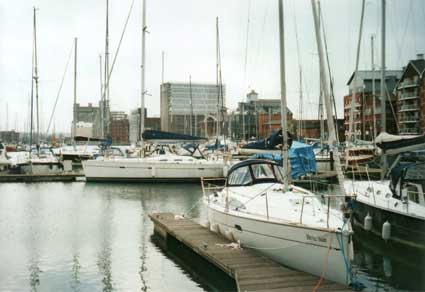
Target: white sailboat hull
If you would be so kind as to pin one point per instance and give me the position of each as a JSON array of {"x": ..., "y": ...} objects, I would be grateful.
[
  {"x": 302, "y": 248},
  {"x": 150, "y": 170}
]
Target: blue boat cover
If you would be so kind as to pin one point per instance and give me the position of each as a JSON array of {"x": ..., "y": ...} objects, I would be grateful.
[
  {"x": 301, "y": 157},
  {"x": 270, "y": 143}
]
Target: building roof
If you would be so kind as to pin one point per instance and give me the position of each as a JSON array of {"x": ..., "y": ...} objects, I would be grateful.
[
  {"x": 369, "y": 74},
  {"x": 417, "y": 65}
]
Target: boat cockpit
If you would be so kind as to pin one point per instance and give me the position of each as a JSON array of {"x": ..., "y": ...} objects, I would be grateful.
[{"x": 254, "y": 171}]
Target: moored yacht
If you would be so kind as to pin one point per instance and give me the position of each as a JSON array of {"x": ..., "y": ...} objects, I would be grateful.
[{"x": 293, "y": 227}]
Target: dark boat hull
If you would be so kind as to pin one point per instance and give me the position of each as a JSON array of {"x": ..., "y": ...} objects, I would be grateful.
[{"x": 405, "y": 230}]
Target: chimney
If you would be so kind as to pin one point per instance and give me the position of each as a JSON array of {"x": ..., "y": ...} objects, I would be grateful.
[{"x": 419, "y": 56}]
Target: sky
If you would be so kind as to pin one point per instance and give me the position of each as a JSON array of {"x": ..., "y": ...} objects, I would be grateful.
[{"x": 185, "y": 31}]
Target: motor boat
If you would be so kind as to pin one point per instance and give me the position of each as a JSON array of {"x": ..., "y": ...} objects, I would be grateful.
[{"x": 289, "y": 224}]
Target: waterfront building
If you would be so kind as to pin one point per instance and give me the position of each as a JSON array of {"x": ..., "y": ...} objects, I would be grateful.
[
  {"x": 257, "y": 118},
  {"x": 365, "y": 114},
  {"x": 119, "y": 127},
  {"x": 89, "y": 114},
  {"x": 410, "y": 91},
  {"x": 10, "y": 136},
  {"x": 151, "y": 123},
  {"x": 191, "y": 108}
]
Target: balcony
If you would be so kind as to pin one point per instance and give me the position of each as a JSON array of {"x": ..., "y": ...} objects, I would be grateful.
[
  {"x": 409, "y": 118},
  {"x": 409, "y": 83},
  {"x": 409, "y": 107},
  {"x": 348, "y": 106},
  {"x": 409, "y": 95},
  {"x": 409, "y": 131}
]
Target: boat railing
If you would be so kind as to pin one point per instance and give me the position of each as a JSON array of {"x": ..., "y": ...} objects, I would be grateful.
[
  {"x": 210, "y": 185},
  {"x": 328, "y": 204}
]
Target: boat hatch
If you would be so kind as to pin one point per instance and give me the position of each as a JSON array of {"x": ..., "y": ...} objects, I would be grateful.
[{"x": 251, "y": 172}]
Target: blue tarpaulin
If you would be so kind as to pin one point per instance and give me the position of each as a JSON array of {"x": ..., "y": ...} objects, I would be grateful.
[{"x": 301, "y": 157}]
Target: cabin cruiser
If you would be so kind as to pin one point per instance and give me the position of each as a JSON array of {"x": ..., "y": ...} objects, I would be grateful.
[{"x": 289, "y": 224}]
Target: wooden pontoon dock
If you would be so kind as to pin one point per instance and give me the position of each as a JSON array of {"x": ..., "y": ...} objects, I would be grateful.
[{"x": 251, "y": 272}]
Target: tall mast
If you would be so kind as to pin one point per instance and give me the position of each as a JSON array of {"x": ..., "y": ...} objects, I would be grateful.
[
  {"x": 106, "y": 74},
  {"x": 74, "y": 124},
  {"x": 191, "y": 105},
  {"x": 373, "y": 87},
  {"x": 383, "y": 92},
  {"x": 142, "y": 103},
  {"x": 321, "y": 113},
  {"x": 286, "y": 170},
  {"x": 352, "y": 130},
  {"x": 300, "y": 123},
  {"x": 35, "y": 77},
  {"x": 327, "y": 98},
  {"x": 102, "y": 129},
  {"x": 217, "y": 81}
]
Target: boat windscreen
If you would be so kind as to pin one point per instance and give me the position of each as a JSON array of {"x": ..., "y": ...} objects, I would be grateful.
[
  {"x": 262, "y": 171},
  {"x": 241, "y": 176}
]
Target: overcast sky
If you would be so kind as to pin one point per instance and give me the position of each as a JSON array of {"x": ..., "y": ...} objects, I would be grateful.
[{"x": 185, "y": 31}]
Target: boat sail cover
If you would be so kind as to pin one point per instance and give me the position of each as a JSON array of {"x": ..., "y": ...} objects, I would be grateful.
[
  {"x": 395, "y": 144},
  {"x": 301, "y": 157},
  {"x": 271, "y": 143},
  {"x": 168, "y": 137}
]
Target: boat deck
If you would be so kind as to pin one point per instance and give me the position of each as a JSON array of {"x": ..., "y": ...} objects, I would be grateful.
[{"x": 251, "y": 271}]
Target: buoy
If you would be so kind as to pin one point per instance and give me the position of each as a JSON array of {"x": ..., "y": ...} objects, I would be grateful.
[
  {"x": 386, "y": 230},
  {"x": 367, "y": 224}
]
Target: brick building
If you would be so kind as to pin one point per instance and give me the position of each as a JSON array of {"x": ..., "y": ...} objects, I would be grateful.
[
  {"x": 257, "y": 118},
  {"x": 364, "y": 113},
  {"x": 410, "y": 91},
  {"x": 119, "y": 126}
]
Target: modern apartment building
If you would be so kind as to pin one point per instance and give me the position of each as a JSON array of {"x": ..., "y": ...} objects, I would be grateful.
[
  {"x": 410, "y": 91},
  {"x": 192, "y": 108},
  {"x": 365, "y": 114}
]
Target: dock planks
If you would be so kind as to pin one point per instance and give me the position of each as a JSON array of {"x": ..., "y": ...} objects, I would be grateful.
[{"x": 251, "y": 271}]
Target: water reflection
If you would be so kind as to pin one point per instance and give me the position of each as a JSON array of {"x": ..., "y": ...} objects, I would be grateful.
[{"x": 104, "y": 262}]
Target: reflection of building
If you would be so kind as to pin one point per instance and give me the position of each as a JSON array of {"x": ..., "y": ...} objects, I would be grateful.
[
  {"x": 150, "y": 124},
  {"x": 119, "y": 127},
  {"x": 191, "y": 108},
  {"x": 364, "y": 113},
  {"x": 410, "y": 92},
  {"x": 257, "y": 117},
  {"x": 11, "y": 137}
]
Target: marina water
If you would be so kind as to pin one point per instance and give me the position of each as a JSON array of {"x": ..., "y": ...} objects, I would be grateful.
[{"x": 97, "y": 237}]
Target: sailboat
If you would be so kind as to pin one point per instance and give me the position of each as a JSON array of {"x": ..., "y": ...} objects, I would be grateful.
[
  {"x": 393, "y": 208},
  {"x": 40, "y": 159},
  {"x": 160, "y": 166},
  {"x": 4, "y": 161},
  {"x": 259, "y": 207}
]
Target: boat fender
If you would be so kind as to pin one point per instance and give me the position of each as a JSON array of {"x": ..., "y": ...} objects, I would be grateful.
[
  {"x": 225, "y": 170},
  {"x": 367, "y": 224},
  {"x": 229, "y": 235},
  {"x": 215, "y": 228},
  {"x": 386, "y": 231}
]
